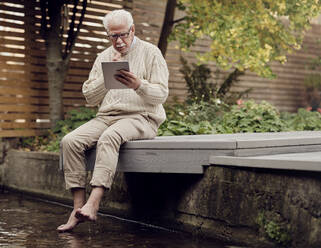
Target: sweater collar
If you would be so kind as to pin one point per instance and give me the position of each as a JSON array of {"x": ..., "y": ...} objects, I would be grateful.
[{"x": 132, "y": 47}]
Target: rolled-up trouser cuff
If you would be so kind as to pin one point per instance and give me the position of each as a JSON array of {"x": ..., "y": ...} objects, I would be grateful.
[
  {"x": 75, "y": 180},
  {"x": 102, "y": 177}
]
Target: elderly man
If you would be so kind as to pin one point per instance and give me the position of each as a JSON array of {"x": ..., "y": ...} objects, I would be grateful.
[{"x": 124, "y": 114}]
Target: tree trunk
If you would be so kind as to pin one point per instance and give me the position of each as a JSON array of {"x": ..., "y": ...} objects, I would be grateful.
[
  {"x": 167, "y": 26},
  {"x": 56, "y": 67},
  {"x": 56, "y": 76}
]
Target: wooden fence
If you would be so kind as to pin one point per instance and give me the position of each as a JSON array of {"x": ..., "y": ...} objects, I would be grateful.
[
  {"x": 24, "y": 101},
  {"x": 24, "y": 104}
]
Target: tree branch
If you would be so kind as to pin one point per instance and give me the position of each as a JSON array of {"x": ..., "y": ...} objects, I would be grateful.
[
  {"x": 179, "y": 20},
  {"x": 72, "y": 36},
  {"x": 44, "y": 29},
  {"x": 229, "y": 81},
  {"x": 167, "y": 25}
]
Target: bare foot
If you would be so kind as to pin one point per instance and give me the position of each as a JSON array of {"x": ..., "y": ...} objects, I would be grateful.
[
  {"x": 87, "y": 213},
  {"x": 71, "y": 223}
]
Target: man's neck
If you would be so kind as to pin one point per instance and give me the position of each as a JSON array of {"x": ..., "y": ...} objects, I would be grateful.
[{"x": 130, "y": 48}]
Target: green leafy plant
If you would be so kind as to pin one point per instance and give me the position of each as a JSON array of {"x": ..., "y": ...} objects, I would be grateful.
[
  {"x": 197, "y": 80},
  {"x": 203, "y": 86},
  {"x": 303, "y": 120},
  {"x": 274, "y": 230},
  {"x": 192, "y": 118},
  {"x": 250, "y": 116},
  {"x": 51, "y": 141},
  {"x": 172, "y": 127},
  {"x": 195, "y": 112},
  {"x": 74, "y": 119}
]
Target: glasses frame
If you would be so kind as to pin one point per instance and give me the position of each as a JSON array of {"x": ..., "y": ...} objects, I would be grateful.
[{"x": 114, "y": 37}]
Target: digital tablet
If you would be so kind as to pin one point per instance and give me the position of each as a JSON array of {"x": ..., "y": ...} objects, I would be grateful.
[{"x": 110, "y": 69}]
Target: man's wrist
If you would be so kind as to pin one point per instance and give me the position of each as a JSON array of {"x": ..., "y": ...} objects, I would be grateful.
[{"x": 138, "y": 85}]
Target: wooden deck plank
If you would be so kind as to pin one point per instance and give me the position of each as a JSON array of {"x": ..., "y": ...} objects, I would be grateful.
[
  {"x": 160, "y": 161},
  {"x": 310, "y": 161},
  {"x": 185, "y": 144},
  {"x": 246, "y": 152},
  {"x": 229, "y": 141}
]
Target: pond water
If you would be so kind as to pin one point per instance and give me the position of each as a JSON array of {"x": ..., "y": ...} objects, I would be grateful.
[{"x": 32, "y": 223}]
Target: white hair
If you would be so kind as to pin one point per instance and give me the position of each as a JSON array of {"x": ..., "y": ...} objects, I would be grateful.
[{"x": 120, "y": 16}]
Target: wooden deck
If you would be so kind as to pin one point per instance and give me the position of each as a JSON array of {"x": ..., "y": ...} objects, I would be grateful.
[
  {"x": 189, "y": 154},
  {"x": 307, "y": 161}
]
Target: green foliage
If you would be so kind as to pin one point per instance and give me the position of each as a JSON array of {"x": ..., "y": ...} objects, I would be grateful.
[
  {"x": 37, "y": 143},
  {"x": 303, "y": 120},
  {"x": 74, "y": 119},
  {"x": 195, "y": 112},
  {"x": 245, "y": 34},
  {"x": 172, "y": 127},
  {"x": 192, "y": 118},
  {"x": 251, "y": 117},
  {"x": 201, "y": 89},
  {"x": 51, "y": 141},
  {"x": 274, "y": 230}
]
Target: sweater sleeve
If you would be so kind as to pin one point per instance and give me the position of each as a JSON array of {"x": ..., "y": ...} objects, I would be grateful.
[
  {"x": 94, "y": 88},
  {"x": 154, "y": 90}
]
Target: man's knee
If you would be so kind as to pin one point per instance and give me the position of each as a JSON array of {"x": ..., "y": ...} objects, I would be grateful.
[
  {"x": 113, "y": 138},
  {"x": 70, "y": 142}
]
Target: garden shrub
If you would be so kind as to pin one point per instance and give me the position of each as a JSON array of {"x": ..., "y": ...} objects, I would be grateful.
[
  {"x": 51, "y": 141},
  {"x": 194, "y": 112},
  {"x": 303, "y": 120},
  {"x": 192, "y": 118},
  {"x": 251, "y": 117},
  {"x": 197, "y": 78},
  {"x": 172, "y": 127},
  {"x": 203, "y": 85}
]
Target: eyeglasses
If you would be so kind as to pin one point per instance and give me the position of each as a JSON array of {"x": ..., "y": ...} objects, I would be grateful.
[{"x": 114, "y": 37}]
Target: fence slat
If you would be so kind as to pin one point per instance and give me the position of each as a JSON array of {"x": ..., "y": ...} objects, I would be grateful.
[{"x": 22, "y": 132}]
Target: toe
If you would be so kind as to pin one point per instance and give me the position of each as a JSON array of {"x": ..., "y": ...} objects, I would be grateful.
[{"x": 60, "y": 227}]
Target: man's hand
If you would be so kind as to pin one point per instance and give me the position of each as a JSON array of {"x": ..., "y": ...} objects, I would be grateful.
[
  {"x": 116, "y": 56},
  {"x": 128, "y": 78}
]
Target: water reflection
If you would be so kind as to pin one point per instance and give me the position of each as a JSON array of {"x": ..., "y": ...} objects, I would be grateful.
[{"x": 26, "y": 223}]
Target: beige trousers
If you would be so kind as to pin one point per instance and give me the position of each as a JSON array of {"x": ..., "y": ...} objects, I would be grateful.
[{"x": 108, "y": 133}]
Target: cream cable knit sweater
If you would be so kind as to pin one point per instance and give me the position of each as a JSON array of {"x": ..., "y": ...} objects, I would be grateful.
[{"x": 147, "y": 63}]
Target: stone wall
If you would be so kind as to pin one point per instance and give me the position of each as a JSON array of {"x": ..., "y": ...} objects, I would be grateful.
[{"x": 255, "y": 207}]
